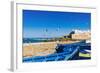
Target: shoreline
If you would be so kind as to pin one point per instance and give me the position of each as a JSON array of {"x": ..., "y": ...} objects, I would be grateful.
[{"x": 55, "y": 42}]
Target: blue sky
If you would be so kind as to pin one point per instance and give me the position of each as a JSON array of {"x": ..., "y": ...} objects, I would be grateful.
[{"x": 52, "y": 23}]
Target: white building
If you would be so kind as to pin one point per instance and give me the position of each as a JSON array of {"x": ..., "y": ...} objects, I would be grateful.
[{"x": 81, "y": 35}]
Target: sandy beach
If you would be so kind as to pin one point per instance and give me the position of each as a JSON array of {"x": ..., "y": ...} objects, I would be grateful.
[{"x": 42, "y": 48}]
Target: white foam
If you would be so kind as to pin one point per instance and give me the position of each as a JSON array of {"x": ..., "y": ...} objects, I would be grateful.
[{"x": 38, "y": 43}]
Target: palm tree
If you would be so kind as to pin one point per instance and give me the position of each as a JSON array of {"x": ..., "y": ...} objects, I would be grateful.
[
  {"x": 46, "y": 31},
  {"x": 70, "y": 34},
  {"x": 58, "y": 28}
]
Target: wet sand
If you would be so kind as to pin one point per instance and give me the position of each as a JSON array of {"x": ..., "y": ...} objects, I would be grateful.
[{"x": 42, "y": 49}]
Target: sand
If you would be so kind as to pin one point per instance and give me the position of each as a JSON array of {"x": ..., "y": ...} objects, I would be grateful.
[{"x": 41, "y": 49}]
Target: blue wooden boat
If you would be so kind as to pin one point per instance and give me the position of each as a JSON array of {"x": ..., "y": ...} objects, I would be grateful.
[{"x": 63, "y": 52}]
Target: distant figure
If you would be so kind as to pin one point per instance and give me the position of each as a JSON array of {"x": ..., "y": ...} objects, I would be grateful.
[{"x": 59, "y": 49}]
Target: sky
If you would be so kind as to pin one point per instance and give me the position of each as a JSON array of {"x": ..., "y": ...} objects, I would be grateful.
[{"x": 53, "y": 23}]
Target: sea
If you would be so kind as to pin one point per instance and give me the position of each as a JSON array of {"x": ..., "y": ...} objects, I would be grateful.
[{"x": 34, "y": 40}]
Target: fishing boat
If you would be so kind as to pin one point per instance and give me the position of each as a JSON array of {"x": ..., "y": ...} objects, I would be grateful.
[{"x": 63, "y": 52}]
